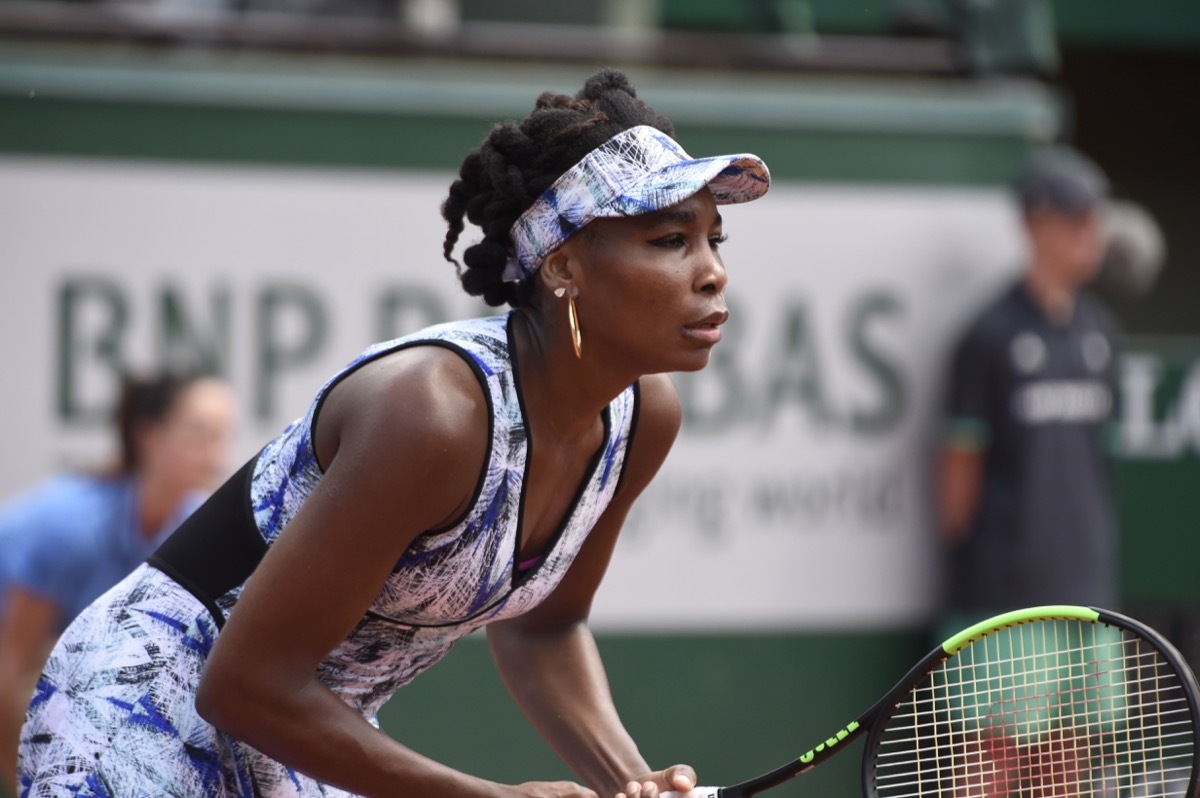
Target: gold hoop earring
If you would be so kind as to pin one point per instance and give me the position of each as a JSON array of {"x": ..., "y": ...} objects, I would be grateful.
[{"x": 573, "y": 320}]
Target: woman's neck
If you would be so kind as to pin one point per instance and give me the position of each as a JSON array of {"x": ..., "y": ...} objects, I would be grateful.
[
  {"x": 156, "y": 503},
  {"x": 563, "y": 394}
]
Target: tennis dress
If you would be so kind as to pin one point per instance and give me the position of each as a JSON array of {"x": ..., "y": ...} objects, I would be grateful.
[{"x": 114, "y": 712}]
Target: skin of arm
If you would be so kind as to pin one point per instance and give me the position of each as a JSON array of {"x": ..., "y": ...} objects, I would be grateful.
[
  {"x": 959, "y": 478},
  {"x": 548, "y": 658},
  {"x": 28, "y": 629},
  {"x": 403, "y": 441}
]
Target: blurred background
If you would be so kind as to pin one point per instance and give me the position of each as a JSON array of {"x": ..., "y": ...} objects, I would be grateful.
[{"x": 253, "y": 185}]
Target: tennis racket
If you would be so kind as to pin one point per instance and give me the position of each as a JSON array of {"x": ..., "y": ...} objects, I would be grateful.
[{"x": 1047, "y": 701}]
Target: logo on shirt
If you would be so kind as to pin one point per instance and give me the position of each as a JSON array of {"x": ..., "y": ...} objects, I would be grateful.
[
  {"x": 1096, "y": 352},
  {"x": 1063, "y": 401},
  {"x": 1028, "y": 352}
]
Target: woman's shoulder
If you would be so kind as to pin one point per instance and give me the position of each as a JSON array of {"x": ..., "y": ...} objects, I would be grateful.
[
  {"x": 67, "y": 494},
  {"x": 448, "y": 361},
  {"x": 410, "y": 394},
  {"x": 484, "y": 340},
  {"x": 65, "y": 509},
  {"x": 408, "y": 433},
  {"x": 658, "y": 400},
  {"x": 659, "y": 416}
]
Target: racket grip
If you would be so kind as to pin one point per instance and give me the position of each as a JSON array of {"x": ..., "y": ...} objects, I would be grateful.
[{"x": 695, "y": 792}]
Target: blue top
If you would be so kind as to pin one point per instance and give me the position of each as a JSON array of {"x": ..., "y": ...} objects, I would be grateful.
[{"x": 73, "y": 537}]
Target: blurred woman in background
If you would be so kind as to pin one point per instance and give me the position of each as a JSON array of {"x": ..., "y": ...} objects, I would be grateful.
[{"x": 69, "y": 539}]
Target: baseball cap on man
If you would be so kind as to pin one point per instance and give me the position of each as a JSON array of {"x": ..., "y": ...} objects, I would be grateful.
[
  {"x": 639, "y": 170},
  {"x": 1063, "y": 180}
]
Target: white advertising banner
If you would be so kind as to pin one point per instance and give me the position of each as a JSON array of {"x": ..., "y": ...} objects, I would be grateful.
[{"x": 795, "y": 497}]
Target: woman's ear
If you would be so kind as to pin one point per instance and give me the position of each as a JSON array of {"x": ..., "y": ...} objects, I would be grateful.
[
  {"x": 147, "y": 436},
  {"x": 556, "y": 272}
]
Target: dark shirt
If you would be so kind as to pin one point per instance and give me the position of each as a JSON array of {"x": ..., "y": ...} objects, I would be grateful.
[{"x": 1035, "y": 396}]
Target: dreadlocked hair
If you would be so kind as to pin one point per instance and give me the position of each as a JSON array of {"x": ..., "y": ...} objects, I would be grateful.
[{"x": 518, "y": 161}]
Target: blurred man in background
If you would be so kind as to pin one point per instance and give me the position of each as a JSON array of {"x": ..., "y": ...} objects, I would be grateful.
[
  {"x": 1023, "y": 483},
  {"x": 1023, "y": 480},
  {"x": 68, "y": 540}
]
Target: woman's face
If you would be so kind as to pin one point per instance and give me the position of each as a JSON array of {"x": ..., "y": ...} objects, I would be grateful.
[
  {"x": 189, "y": 448},
  {"x": 651, "y": 288}
]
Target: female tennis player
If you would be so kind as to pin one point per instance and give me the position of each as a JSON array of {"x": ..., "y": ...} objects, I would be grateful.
[{"x": 473, "y": 474}]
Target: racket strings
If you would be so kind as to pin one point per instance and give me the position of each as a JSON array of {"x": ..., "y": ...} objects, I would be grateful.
[{"x": 1047, "y": 708}]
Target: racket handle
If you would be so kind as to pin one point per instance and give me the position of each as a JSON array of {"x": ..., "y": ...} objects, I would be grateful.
[{"x": 695, "y": 792}]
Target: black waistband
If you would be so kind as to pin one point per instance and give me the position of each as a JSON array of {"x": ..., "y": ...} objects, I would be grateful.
[{"x": 217, "y": 547}]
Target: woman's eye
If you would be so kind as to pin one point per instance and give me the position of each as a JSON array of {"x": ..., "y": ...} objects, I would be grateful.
[
  {"x": 672, "y": 241},
  {"x": 677, "y": 240}
]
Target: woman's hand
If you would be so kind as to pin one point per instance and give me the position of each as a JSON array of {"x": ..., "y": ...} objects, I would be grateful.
[
  {"x": 679, "y": 778},
  {"x": 552, "y": 789}
]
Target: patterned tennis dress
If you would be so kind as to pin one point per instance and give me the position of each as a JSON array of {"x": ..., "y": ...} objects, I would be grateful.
[{"x": 114, "y": 712}]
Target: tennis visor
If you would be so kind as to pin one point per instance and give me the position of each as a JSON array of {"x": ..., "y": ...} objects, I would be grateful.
[{"x": 639, "y": 170}]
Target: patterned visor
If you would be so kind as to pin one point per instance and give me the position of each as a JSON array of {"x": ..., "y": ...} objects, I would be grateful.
[{"x": 637, "y": 171}]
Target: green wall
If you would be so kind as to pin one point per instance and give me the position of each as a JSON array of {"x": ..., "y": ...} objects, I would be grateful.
[
  {"x": 1159, "y": 503},
  {"x": 399, "y": 115},
  {"x": 732, "y": 707}
]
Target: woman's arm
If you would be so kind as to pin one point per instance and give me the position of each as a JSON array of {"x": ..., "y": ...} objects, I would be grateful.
[
  {"x": 29, "y": 625},
  {"x": 548, "y": 658},
  {"x": 403, "y": 441}
]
